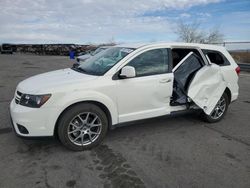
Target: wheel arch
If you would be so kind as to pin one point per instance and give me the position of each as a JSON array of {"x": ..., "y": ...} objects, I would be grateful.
[
  {"x": 97, "y": 103},
  {"x": 229, "y": 94}
]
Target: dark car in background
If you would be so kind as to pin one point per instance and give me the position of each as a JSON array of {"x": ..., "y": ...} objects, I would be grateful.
[{"x": 6, "y": 49}]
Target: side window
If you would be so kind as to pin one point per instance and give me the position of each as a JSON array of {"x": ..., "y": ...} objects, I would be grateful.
[
  {"x": 179, "y": 53},
  {"x": 151, "y": 62},
  {"x": 186, "y": 71},
  {"x": 216, "y": 57}
]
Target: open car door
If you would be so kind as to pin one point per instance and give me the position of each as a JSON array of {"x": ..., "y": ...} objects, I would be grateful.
[
  {"x": 203, "y": 84},
  {"x": 207, "y": 87}
]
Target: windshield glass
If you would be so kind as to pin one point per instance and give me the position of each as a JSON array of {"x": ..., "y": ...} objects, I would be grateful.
[
  {"x": 98, "y": 50},
  {"x": 103, "y": 61}
]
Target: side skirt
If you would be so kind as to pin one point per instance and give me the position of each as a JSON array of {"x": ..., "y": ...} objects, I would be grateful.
[{"x": 172, "y": 114}]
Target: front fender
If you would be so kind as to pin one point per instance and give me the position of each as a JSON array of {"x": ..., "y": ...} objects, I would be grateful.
[{"x": 81, "y": 96}]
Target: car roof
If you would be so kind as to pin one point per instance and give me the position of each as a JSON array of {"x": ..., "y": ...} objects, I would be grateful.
[{"x": 171, "y": 45}]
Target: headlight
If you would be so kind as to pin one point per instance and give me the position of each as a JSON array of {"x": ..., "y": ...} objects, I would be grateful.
[{"x": 34, "y": 101}]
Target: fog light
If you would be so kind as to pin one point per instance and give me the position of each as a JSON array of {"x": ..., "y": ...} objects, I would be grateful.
[{"x": 22, "y": 129}]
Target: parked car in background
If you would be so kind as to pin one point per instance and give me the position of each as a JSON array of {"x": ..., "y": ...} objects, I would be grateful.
[
  {"x": 86, "y": 56},
  {"x": 82, "y": 53},
  {"x": 123, "y": 84},
  {"x": 6, "y": 49}
]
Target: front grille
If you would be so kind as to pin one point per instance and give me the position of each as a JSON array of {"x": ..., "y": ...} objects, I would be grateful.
[{"x": 18, "y": 97}]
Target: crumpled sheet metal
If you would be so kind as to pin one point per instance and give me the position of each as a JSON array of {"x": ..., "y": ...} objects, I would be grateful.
[{"x": 207, "y": 87}]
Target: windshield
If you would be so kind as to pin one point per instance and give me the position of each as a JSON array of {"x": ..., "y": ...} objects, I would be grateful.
[
  {"x": 98, "y": 50},
  {"x": 103, "y": 61}
]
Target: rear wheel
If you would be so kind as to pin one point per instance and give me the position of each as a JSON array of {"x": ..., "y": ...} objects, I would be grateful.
[
  {"x": 219, "y": 110},
  {"x": 82, "y": 127}
]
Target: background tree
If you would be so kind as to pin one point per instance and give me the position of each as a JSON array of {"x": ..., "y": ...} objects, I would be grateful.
[{"x": 192, "y": 33}]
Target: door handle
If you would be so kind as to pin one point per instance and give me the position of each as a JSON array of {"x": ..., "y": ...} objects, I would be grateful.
[{"x": 165, "y": 80}]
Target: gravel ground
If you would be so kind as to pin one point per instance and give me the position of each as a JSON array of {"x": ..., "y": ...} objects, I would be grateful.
[{"x": 179, "y": 151}]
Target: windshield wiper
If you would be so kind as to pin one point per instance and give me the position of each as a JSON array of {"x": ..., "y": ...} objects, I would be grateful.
[{"x": 79, "y": 69}]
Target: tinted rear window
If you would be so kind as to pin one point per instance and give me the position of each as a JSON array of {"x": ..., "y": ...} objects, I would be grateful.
[{"x": 216, "y": 57}]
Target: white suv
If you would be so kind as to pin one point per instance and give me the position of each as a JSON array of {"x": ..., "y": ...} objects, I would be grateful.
[{"x": 123, "y": 84}]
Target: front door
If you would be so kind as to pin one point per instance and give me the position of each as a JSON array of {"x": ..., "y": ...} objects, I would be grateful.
[{"x": 148, "y": 94}]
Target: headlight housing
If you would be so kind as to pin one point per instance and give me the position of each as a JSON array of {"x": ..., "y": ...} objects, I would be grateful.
[{"x": 34, "y": 101}]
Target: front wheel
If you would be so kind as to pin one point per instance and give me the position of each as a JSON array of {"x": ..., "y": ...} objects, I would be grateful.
[
  {"x": 219, "y": 110},
  {"x": 82, "y": 127}
]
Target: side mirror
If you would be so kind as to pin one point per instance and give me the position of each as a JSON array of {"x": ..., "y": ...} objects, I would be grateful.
[{"x": 127, "y": 72}]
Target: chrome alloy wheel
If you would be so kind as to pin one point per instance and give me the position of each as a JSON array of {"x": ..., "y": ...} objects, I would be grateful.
[
  {"x": 84, "y": 128},
  {"x": 219, "y": 108}
]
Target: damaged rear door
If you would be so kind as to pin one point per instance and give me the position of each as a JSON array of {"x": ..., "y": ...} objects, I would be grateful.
[
  {"x": 203, "y": 84},
  {"x": 207, "y": 87}
]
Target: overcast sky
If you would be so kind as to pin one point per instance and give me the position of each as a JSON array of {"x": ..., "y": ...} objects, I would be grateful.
[{"x": 97, "y": 21}]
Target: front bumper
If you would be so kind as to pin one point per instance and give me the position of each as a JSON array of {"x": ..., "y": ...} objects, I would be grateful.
[{"x": 38, "y": 121}]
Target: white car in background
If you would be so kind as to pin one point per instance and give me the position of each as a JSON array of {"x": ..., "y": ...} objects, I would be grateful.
[
  {"x": 123, "y": 84},
  {"x": 86, "y": 56}
]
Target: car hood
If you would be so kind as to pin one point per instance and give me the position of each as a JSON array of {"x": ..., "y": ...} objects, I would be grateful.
[{"x": 51, "y": 80}]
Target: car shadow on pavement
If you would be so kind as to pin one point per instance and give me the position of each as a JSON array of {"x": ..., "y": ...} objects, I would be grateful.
[
  {"x": 166, "y": 123},
  {"x": 159, "y": 124}
]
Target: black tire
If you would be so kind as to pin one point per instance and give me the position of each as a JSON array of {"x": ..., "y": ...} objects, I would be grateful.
[
  {"x": 209, "y": 118},
  {"x": 70, "y": 114}
]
